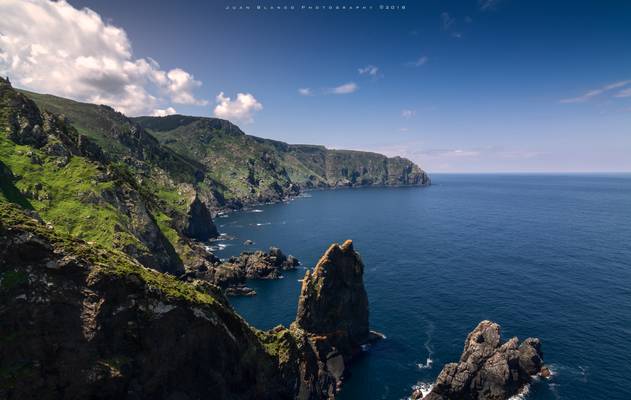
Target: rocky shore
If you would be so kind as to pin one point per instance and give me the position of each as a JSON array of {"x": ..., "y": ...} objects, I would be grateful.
[
  {"x": 82, "y": 321},
  {"x": 489, "y": 369},
  {"x": 231, "y": 275}
]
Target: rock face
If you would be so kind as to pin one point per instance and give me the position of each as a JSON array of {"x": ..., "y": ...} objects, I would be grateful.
[
  {"x": 268, "y": 170},
  {"x": 232, "y": 274},
  {"x": 200, "y": 224},
  {"x": 488, "y": 369},
  {"x": 333, "y": 301},
  {"x": 80, "y": 321}
]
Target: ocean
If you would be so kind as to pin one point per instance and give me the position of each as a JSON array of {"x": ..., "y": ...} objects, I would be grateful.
[{"x": 543, "y": 255}]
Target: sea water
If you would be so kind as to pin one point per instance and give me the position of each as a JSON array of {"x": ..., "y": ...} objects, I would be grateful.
[{"x": 543, "y": 255}]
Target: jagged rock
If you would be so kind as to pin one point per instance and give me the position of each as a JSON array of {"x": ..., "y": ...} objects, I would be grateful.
[
  {"x": 232, "y": 274},
  {"x": 82, "y": 322},
  {"x": 488, "y": 369},
  {"x": 200, "y": 224},
  {"x": 333, "y": 301}
]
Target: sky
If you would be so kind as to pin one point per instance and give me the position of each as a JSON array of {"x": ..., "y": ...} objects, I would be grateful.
[{"x": 456, "y": 86}]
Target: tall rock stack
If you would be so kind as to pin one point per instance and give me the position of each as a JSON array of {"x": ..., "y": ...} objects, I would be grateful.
[{"x": 333, "y": 302}]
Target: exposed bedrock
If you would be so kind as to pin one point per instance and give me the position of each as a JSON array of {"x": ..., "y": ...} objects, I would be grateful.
[{"x": 488, "y": 369}]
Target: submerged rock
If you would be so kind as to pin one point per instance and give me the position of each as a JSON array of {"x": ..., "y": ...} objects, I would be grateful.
[{"x": 488, "y": 369}]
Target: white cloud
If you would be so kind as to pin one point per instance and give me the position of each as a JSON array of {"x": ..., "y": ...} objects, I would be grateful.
[
  {"x": 181, "y": 85},
  {"x": 240, "y": 109},
  {"x": 418, "y": 62},
  {"x": 597, "y": 92},
  {"x": 305, "y": 92},
  {"x": 370, "y": 70},
  {"x": 163, "y": 112},
  {"x": 53, "y": 47},
  {"x": 408, "y": 113},
  {"x": 346, "y": 88}
]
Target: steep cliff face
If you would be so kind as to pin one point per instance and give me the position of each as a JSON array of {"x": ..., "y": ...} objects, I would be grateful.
[
  {"x": 121, "y": 198},
  {"x": 253, "y": 169},
  {"x": 80, "y": 321},
  {"x": 488, "y": 369},
  {"x": 342, "y": 168}
]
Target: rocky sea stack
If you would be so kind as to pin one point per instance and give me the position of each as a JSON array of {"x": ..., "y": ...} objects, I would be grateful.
[
  {"x": 333, "y": 302},
  {"x": 488, "y": 369}
]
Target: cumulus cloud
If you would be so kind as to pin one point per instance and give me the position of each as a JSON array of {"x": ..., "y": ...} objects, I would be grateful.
[
  {"x": 601, "y": 90},
  {"x": 163, "y": 112},
  {"x": 240, "y": 109},
  {"x": 53, "y": 47},
  {"x": 305, "y": 92},
  {"x": 346, "y": 88},
  {"x": 369, "y": 70}
]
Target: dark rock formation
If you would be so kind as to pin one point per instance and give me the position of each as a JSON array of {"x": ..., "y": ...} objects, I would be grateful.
[
  {"x": 333, "y": 301},
  {"x": 81, "y": 322},
  {"x": 332, "y": 314},
  {"x": 232, "y": 274},
  {"x": 488, "y": 369},
  {"x": 200, "y": 224}
]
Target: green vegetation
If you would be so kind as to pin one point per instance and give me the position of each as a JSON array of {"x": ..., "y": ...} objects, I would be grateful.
[{"x": 104, "y": 261}]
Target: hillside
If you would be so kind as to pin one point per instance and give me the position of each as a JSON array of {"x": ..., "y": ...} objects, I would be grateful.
[
  {"x": 149, "y": 186},
  {"x": 253, "y": 166},
  {"x": 79, "y": 320}
]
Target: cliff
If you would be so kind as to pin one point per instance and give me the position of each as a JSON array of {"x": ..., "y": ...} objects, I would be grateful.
[
  {"x": 254, "y": 169},
  {"x": 79, "y": 321},
  {"x": 122, "y": 199},
  {"x": 488, "y": 369}
]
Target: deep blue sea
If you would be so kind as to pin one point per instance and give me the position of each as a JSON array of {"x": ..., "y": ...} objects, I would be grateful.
[{"x": 543, "y": 255}]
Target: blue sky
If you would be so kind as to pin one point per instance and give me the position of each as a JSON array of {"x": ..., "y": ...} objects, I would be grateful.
[{"x": 457, "y": 86}]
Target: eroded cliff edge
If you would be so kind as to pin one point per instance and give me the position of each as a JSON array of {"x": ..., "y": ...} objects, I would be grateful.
[{"x": 79, "y": 321}]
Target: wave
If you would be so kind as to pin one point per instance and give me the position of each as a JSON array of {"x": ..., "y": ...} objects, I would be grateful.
[
  {"x": 522, "y": 394},
  {"x": 217, "y": 247},
  {"x": 429, "y": 362},
  {"x": 422, "y": 387},
  {"x": 256, "y": 210},
  {"x": 263, "y": 223}
]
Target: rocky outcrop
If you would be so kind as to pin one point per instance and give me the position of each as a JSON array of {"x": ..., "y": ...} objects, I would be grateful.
[
  {"x": 333, "y": 301},
  {"x": 262, "y": 265},
  {"x": 232, "y": 274},
  {"x": 80, "y": 321},
  {"x": 332, "y": 316},
  {"x": 488, "y": 369},
  {"x": 199, "y": 223}
]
